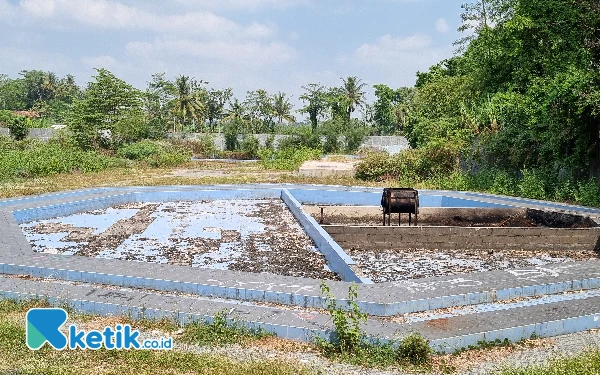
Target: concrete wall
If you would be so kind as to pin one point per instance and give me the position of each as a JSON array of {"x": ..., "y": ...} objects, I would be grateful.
[
  {"x": 41, "y": 134},
  {"x": 404, "y": 238},
  {"x": 391, "y": 144}
]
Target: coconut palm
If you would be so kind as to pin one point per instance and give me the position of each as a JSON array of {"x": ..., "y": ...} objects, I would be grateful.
[
  {"x": 353, "y": 94},
  {"x": 188, "y": 103},
  {"x": 282, "y": 108}
]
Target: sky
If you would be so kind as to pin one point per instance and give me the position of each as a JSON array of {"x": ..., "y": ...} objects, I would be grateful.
[{"x": 276, "y": 45}]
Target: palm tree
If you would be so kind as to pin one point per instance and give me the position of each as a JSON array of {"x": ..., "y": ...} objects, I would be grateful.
[
  {"x": 283, "y": 108},
  {"x": 48, "y": 86},
  {"x": 353, "y": 94},
  {"x": 187, "y": 103}
]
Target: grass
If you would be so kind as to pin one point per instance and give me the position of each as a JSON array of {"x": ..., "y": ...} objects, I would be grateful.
[
  {"x": 587, "y": 363},
  {"x": 16, "y": 358},
  {"x": 220, "y": 332},
  {"x": 233, "y": 173}
]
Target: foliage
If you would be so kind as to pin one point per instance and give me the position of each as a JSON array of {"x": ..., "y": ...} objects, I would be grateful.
[
  {"x": 221, "y": 332},
  {"x": 350, "y": 345},
  {"x": 287, "y": 159},
  {"x": 588, "y": 193},
  {"x": 155, "y": 154},
  {"x": 250, "y": 146},
  {"x": 138, "y": 151},
  {"x": 38, "y": 160},
  {"x": 17, "y": 125},
  {"x": 109, "y": 114},
  {"x": 391, "y": 109},
  {"x": 583, "y": 364},
  {"x": 415, "y": 349},
  {"x": 316, "y": 103},
  {"x": 231, "y": 132},
  {"x": 347, "y": 321},
  {"x": 431, "y": 162},
  {"x": 201, "y": 147}
]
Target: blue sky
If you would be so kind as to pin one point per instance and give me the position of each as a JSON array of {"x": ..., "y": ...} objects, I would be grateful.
[{"x": 277, "y": 45}]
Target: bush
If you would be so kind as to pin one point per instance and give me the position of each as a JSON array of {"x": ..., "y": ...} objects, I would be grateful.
[
  {"x": 532, "y": 185},
  {"x": 155, "y": 153},
  {"x": 288, "y": 158},
  {"x": 415, "y": 349},
  {"x": 348, "y": 334},
  {"x": 203, "y": 147},
  {"x": 50, "y": 159},
  {"x": 139, "y": 151},
  {"x": 231, "y": 130},
  {"x": 588, "y": 193},
  {"x": 354, "y": 137},
  {"x": 17, "y": 126},
  {"x": 270, "y": 142},
  {"x": 375, "y": 166},
  {"x": 250, "y": 146},
  {"x": 433, "y": 162}
]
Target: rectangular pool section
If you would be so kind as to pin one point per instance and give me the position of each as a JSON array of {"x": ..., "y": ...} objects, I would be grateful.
[{"x": 338, "y": 261}]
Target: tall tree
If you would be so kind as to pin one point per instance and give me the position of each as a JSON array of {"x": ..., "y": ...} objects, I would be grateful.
[
  {"x": 353, "y": 94},
  {"x": 190, "y": 106},
  {"x": 283, "y": 108},
  {"x": 215, "y": 105},
  {"x": 110, "y": 104},
  {"x": 315, "y": 98}
]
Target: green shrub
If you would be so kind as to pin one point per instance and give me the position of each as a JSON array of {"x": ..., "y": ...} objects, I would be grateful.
[
  {"x": 348, "y": 334},
  {"x": 50, "y": 159},
  {"x": 354, "y": 137},
  {"x": 139, "y": 150},
  {"x": 231, "y": 131},
  {"x": 375, "y": 166},
  {"x": 270, "y": 142},
  {"x": 288, "y": 158},
  {"x": 415, "y": 349},
  {"x": 588, "y": 193},
  {"x": 17, "y": 126},
  {"x": 201, "y": 147},
  {"x": 532, "y": 185},
  {"x": 503, "y": 183},
  {"x": 156, "y": 153},
  {"x": 250, "y": 146}
]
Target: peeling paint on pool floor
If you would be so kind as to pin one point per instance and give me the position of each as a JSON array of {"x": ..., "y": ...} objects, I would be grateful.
[{"x": 245, "y": 235}]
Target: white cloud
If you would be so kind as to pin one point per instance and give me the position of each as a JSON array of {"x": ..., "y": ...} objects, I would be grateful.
[
  {"x": 116, "y": 15},
  {"x": 389, "y": 49},
  {"x": 249, "y": 54},
  {"x": 442, "y": 26},
  {"x": 245, "y": 5},
  {"x": 394, "y": 60}
]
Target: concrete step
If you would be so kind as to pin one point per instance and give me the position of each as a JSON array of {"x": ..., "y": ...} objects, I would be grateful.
[
  {"x": 386, "y": 299},
  {"x": 446, "y": 334}
]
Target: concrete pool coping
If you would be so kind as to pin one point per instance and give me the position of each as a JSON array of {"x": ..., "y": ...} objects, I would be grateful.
[{"x": 380, "y": 299}]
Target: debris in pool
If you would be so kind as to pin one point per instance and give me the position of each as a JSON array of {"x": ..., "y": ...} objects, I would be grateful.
[{"x": 246, "y": 235}]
